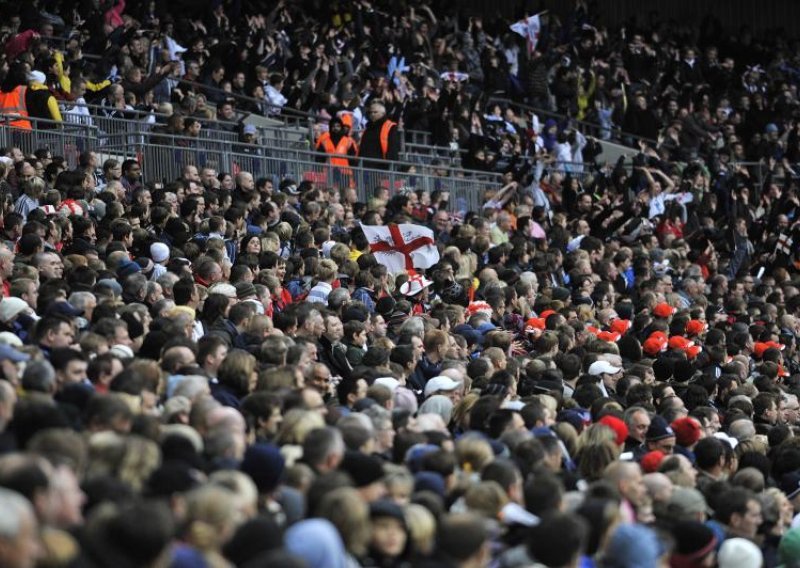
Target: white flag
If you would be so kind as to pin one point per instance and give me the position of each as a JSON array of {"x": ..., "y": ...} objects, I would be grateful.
[
  {"x": 403, "y": 247},
  {"x": 529, "y": 29}
]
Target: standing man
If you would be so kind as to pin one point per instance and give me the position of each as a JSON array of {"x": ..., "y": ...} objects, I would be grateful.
[
  {"x": 340, "y": 147},
  {"x": 380, "y": 139}
]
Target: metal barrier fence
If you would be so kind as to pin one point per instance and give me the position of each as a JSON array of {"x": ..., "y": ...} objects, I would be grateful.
[{"x": 67, "y": 140}]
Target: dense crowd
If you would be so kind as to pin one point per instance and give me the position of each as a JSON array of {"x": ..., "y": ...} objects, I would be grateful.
[{"x": 600, "y": 369}]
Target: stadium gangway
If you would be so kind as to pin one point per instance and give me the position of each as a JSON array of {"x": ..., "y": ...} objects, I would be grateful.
[
  {"x": 586, "y": 128},
  {"x": 139, "y": 122}
]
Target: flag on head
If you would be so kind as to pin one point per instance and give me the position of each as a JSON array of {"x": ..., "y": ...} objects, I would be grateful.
[
  {"x": 529, "y": 29},
  {"x": 402, "y": 248}
]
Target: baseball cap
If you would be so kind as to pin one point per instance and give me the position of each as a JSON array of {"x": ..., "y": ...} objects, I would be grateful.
[
  {"x": 663, "y": 310},
  {"x": 659, "y": 430},
  {"x": 249, "y": 129},
  {"x": 289, "y": 186},
  {"x": 440, "y": 383},
  {"x": 390, "y": 382},
  {"x": 12, "y": 307},
  {"x": 602, "y": 368},
  {"x": 11, "y": 354}
]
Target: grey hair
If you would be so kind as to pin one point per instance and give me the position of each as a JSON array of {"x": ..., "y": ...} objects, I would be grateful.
[
  {"x": 39, "y": 376},
  {"x": 15, "y": 508},
  {"x": 81, "y": 299},
  {"x": 191, "y": 386},
  {"x": 414, "y": 326}
]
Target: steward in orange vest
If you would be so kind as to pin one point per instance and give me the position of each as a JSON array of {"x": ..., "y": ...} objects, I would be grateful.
[
  {"x": 340, "y": 147},
  {"x": 380, "y": 139}
]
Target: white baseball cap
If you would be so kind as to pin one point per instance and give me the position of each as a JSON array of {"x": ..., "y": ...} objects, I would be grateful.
[
  {"x": 389, "y": 382},
  {"x": 440, "y": 383},
  {"x": 603, "y": 367}
]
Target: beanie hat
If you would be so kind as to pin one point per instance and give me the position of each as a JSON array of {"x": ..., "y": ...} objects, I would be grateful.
[
  {"x": 632, "y": 546},
  {"x": 384, "y": 508},
  {"x": 693, "y": 542},
  {"x": 618, "y": 426},
  {"x": 651, "y": 461},
  {"x": 363, "y": 469},
  {"x": 687, "y": 431},
  {"x": 429, "y": 481},
  {"x": 126, "y": 268},
  {"x": 659, "y": 430},
  {"x": 159, "y": 252},
  {"x": 245, "y": 289},
  {"x": 264, "y": 464},
  {"x": 739, "y": 553}
]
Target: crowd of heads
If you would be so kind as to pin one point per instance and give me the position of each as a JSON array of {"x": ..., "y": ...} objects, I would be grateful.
[{"x": 599, "y": 367}]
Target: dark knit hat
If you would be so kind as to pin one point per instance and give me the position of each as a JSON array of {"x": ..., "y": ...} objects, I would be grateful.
[
  {"x": 363, "y": 469},
  {"x": 245, "y": 289},
  {"x": 693, "y": 541},
  {"x": 264, "y": 464},
  {"x": 384, "y": 508},
  {"x": 659, "y": 430}
]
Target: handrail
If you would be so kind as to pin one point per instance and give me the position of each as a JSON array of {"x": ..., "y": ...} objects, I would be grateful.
[
  {"x": 565, "y": 118},
  {"x": 210, "y": 145},
  {"x": 292, "y": 112}
]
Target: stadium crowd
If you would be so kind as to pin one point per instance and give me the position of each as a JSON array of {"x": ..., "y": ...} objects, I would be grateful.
[{"x": 601, "y": 369}]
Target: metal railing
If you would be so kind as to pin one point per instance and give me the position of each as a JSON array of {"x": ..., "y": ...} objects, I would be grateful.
[{"x": 62, "y": 139}]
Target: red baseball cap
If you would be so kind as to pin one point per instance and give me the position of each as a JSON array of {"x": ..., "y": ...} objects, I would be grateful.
[
  {"x": 663, "y": 310},
  {"x": 695, "y": 327},
  {"x": 610, "y": 336},
  {"x": 653, "y": 346},
  {"x": 620, "y": 326}
]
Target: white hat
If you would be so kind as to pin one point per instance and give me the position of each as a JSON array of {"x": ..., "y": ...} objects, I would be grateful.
[
  {"x": 603, "y": 367},
  {"x": 37, "y": 77},
  {"x": 159, "y": 252},
  {"x": 440, "y": 383},
  {"x": 122, "y": 351},
  {"x": 223, "y": 288},
  {"x": 10, "y": 339},
  {"x": 390, "y": 382},
  {"x": 725, "y": 438},
  {"x": 739, "y": 553},
  {"x": 11, "y": 308},
  {"x": 414, "y": 286}
]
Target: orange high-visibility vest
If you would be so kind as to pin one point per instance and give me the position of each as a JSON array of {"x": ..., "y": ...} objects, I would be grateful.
[
  {"x": 13, "y": 104},
  {"x": 384, "y": 137},
  {"x": 339, "y": 151}
]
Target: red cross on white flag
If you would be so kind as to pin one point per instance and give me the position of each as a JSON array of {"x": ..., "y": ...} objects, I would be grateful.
[
  {"x": 529, "y": 29},
  {"x": 401, "y": 248}
]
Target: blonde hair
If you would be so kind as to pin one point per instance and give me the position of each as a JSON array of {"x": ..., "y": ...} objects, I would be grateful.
[
  {"x": 297, "y": 424},
  {"x": 421, "y": 528},
  {"x": 348, "y": 512},
  {"x": 327, "y": 270},
  {"x": 242, "y": 488},
  {"x": 486, "y": 498},
  {"x": 473, "y": 452},
  {"x": 211, "y": 516}
]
